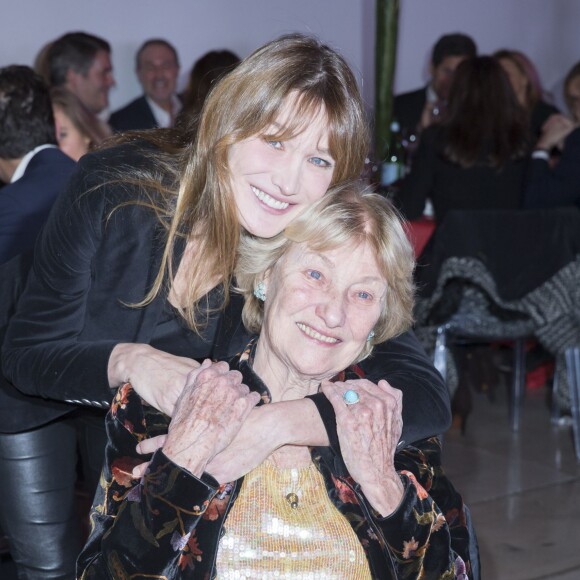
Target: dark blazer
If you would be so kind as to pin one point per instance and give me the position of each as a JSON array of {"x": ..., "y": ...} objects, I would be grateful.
[
  {"x": 559, "y": 186},
  {"x": 450, "y": 186},
  {"x": 24, "y": 206},
  {"x": 90, "y": 263},
  {"x": 135, "y": 116},
  {"x": 539, "y": 115},
  {"x": 407, "y": 109}
]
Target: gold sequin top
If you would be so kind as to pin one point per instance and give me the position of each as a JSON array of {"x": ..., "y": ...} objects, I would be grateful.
[{"x": 283, "y": 525}]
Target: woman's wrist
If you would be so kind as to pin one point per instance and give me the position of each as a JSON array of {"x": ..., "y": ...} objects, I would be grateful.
[
  {"x": 297, "y": 422},
  {"x": 386, "y": 496},
  {"x": 118, "y": 369},
  {"x": 194, "y": 465}
]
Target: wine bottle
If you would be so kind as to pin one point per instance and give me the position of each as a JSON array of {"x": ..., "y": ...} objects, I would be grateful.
[{"x": 393, "y": 167}]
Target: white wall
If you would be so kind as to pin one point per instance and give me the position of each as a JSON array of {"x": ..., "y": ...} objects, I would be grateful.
[
  {"x": 193, "y": 26},
  {"x": 547, "y": 30}
]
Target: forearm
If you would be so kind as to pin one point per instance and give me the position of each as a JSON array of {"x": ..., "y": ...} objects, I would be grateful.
[
  {"x": 296, "y": 422},
  {"x": 404, "y": 364},
  {"x": 61, "y": 370},
  {"x": 385, "y": 497}
]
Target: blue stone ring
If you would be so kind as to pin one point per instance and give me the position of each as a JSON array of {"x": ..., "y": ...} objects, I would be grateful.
[{"x": 350, "y": 397}]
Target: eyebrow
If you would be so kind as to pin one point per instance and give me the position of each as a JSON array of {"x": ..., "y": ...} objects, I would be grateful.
[
  {"x": 332, "y": 264},
  {"x": 281, "y": 128}
]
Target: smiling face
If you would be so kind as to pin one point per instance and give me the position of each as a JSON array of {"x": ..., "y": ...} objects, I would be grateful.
[
  {"x": 273, "y": 181},
  {"x": 319, "y": 310},
  {"x": 157, "y": 73},
  {"x": 93, "y": 87}
]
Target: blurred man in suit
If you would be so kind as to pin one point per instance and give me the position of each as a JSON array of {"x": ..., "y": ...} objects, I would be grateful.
[
  {"x": 34, "y": 169},
  {"x": 81, "y": 63},
  {"x": 157, "y": 68},
  {"x": 417, "y": 109}
]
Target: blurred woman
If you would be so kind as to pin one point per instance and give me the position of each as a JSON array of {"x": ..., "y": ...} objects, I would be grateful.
[
  {"x": 572, "y": 92},
  {"x": 527, "y": 86},
  {"x": 206, "y": 71},
  {"x": 476, "y": 158},
  {"x": 77, "y": 129}
]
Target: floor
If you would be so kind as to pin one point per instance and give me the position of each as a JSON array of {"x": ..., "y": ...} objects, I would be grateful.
[{"x": 523, "y": 491}]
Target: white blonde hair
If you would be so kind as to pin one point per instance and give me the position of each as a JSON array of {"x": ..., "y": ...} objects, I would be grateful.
[{"x": 348, "y": 212}]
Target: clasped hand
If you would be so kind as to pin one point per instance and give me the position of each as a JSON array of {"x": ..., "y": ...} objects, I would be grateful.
[
  {"x": 369, "y": 432},
  {"x": 208, "y": 414}
]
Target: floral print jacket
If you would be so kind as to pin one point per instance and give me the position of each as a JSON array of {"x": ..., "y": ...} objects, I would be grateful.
[{"x": 168, "y": 524}]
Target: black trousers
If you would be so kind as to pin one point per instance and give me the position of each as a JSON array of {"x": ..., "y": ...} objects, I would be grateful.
[{"x": 38, "y": 473}]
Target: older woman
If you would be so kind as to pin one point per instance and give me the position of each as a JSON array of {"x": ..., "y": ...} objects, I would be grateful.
[{"x": 337, "y": 280}]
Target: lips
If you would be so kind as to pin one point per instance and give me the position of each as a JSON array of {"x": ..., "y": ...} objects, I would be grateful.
[
  {"x": 308, "y": 331},
  {"x": 268, "y": 200}
]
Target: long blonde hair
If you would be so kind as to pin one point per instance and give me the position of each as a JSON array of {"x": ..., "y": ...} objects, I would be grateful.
[{"x": 241, "y": 105}]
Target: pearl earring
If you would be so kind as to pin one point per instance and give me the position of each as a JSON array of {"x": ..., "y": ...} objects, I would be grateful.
[
  {"x": 260, "y": 291},
  {"x": 371, "y": 335}
]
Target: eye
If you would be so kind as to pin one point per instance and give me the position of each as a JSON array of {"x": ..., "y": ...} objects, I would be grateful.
[
  {"x": 364, "y": 295},
  {"x": 315, "y": 274},
  {"x": 274, "y": 144},
  {"x": 319, "y": 162}
]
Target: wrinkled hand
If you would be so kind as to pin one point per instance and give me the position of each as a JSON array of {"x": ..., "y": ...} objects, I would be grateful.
[
  {"x": 146, "y": 447},
  {"x": 158, "y": 377},
  {"x": 554, "y": 131},
  {"x": 208, "y": 414},
  {"x": 368, "y": 433},
  {"x": 266, "y": 429},
  {"x": 254, "y": 442}
]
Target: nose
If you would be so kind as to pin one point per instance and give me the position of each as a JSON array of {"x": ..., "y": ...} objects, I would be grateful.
[
  {"x": 287, "y": 174},
  {"x": 332, "y": 309}
]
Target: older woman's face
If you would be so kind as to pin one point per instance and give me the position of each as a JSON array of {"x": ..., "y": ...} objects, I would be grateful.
[
  {"x": 320, "y": 308},
  {"x": 275, "y": 181}
]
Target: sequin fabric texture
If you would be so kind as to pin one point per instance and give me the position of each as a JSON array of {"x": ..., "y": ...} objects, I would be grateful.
[{"x": 265, "y": 537}]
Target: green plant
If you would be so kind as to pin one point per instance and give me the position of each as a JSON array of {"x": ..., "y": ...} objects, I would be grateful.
[{"x": 387, "y": 17}]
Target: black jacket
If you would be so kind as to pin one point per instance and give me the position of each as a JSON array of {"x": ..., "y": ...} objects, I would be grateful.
[
  {"x": 136, "y": 116},
  {"x": 450, "y": 186},
  {"x": 89, "y": 263},
  {"x": 560, "y": 186}
]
